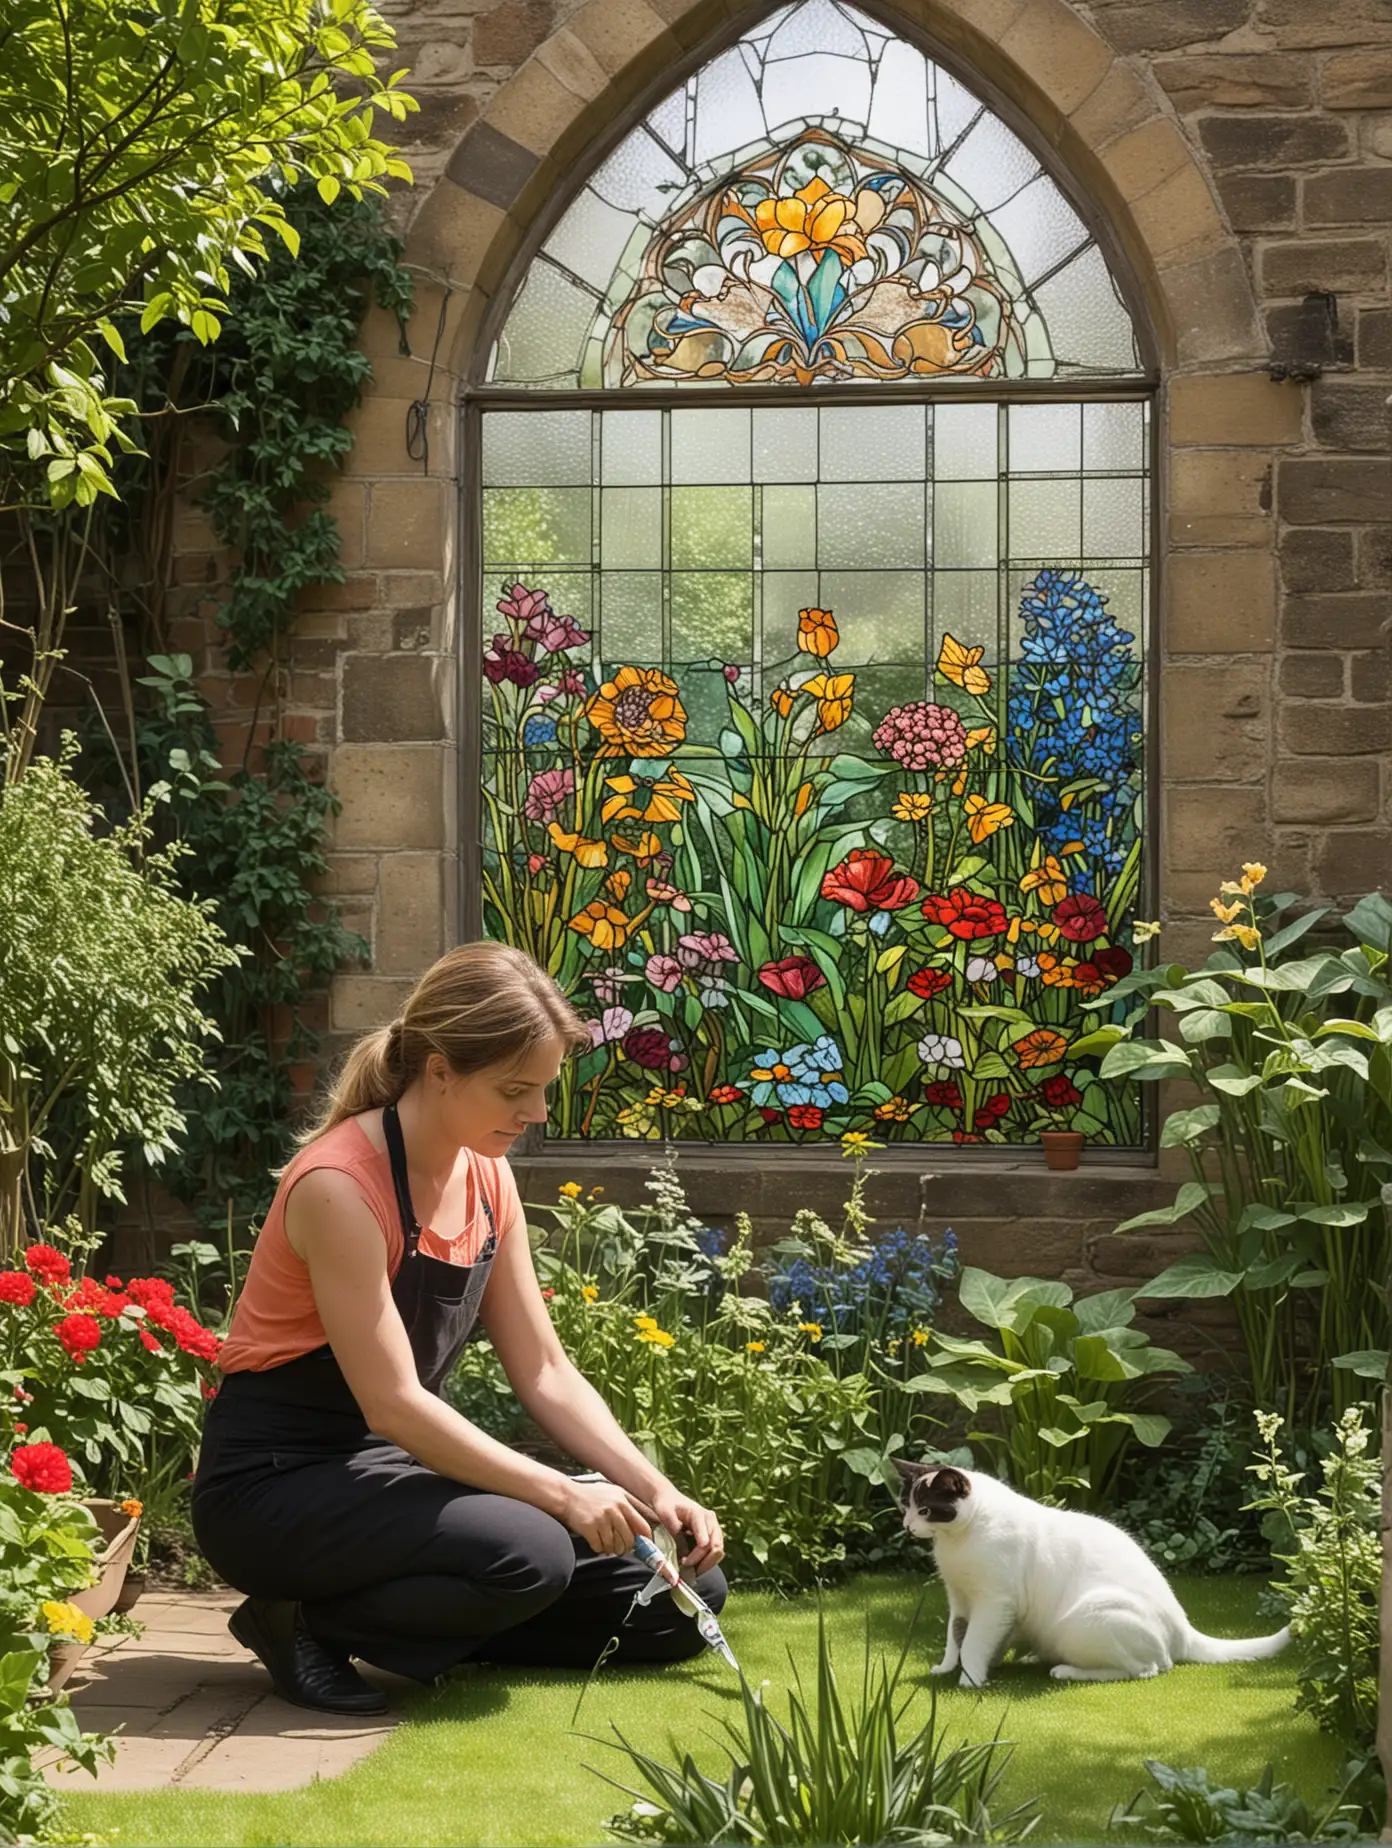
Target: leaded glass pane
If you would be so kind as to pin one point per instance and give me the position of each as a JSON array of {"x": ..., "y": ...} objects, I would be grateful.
[
  {"x": 792, "y": 766},
  {"x": 819, "y": 203}
]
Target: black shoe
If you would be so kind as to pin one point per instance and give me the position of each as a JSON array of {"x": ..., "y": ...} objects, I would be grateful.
[{"x": 301, "y": 1669}]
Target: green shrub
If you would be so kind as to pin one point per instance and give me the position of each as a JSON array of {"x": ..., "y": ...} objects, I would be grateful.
[
  {"x": 1063, "y": 1379},
  {"x": 838, "y": 1771},
  {"x": 1183, "y": 1807},
  {"x": 1188, "y": 1503}
]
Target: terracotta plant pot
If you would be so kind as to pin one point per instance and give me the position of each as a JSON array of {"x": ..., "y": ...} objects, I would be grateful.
[
  {"x": 1063, "y": 1148},
  {"x": 112, "y": 1562}
]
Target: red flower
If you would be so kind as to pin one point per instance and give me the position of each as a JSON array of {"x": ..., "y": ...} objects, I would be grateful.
[
  {"x": 548, "y": 1294},
  {"x": 209, "y": 1392},
  {"x": 149, "y": 1341},
  {"x": 967, "y": 915},
  {"x": 1080, "y": 917},
  {"x": 1059, "y": 1092},
  {"x": 42, "y": 1467},
  {"x": 653, "y": 1050},
  {"x": 805, "y": 1116},
  {"x": 997, "y": 1105},
  {"x": 191, "y": 1335},
  {"x": 725, "y": 1094},
  {"x": 114, "y": 1283},
  {"x": 93, "y": 1296},
  {"x": 960, "y": 1135},
  {"x": 48, "y": 1265},
  {"x": 1113, "y": 963},
  {"x": 929, "y": 982},
  {"x": 793, "y": 978},
  {"x": 866, "y": 881},
  {"x": 151, "y": 1292},
  {"x": 21, "y": 1428},
  {"x": 769, "y": 1116},
  {"x": 16, "y": 1287},
  {"x": 79, "y": 1334},
  {"x": 943, "y": 1092}
]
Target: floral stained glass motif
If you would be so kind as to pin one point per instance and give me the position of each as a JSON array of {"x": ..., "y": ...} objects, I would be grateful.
[
  {"x": 813, "y": 760},
  {"x": 820, "y": 203}
]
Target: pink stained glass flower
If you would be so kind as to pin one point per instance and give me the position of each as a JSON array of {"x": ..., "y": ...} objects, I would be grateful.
[
  {"x": 664, "y": 972},
  {"x": 555, "y": 633},
  {"x": 922, "y": 736},
  {"x": 504, "y": 662},
  {"x": 546, "y": 794},
  {"x": 612, "y": 1025},
  {"x": 523, "y": 606},
  {"x": 571, "y": 682},
  {"x": 707, "y": 946}
]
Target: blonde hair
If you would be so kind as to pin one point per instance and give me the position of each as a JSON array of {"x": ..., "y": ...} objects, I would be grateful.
[{"x": 479, "y": 1005}]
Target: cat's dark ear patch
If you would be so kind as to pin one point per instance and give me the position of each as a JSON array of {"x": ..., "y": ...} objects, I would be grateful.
[{"x": 949, "y": 1481}]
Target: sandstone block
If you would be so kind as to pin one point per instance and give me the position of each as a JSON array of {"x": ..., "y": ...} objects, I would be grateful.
[
  {"x": 1349, "y": 196},
  {"x": 1220, "y": 497},
  {"x": 1358, "y": 621},
  {"x": 491, "y": 165},
  {"x": 1220, "y": 603},
  {"x": 1316, "y": 730},
  {"x": 347, "y": 875},
  {"x": 1063, "y": 56},
  {"x": 1346, "y": 415},
  {"x": 1312, "y": 676},
  {"x": 1234, "y": 80},
  {"x": 1272, "y": 140},
  {"x": 1118, "y": 104},
  {"x": 1258, "y": 201},
  {"x": 392, "y": 697},
  {"x": 1370, "y": 677},
  {"x": 1317, "y": 558},
  {"x": 1375, "y": 557},
  {"x": 511, "y": 32},
  {"x": 1285, "y": 334},
  {"x": 1210, "y": 305},
  {"x": 362, "y": 1002},
  {"x": 1168, "y": 25},
  {"x": 354, "y": 593},
  {"x": 1375, "y": 339},
  {"x": 1212, "y": 409},
  {"x": 392, "y": 796},
  {"x": 1313, "y": 791},
  {"x": 1320, "y": 491},
  {"x": 1140, "y": 161},
  {"x": 1351, "y": 862},
  {"x": 410, "y": 914},
  {"x": 1214, "y": 722},
  {"x": 455, "y": 233},
  {"x": 1297, "y": 24},
  {"x": 1210, "y": 834},
  {"x": 378, "y": 427},
  {"x": 617, "y": 31},
  {"x": 535, "y": 109},
  {"x": 571, "y": 62},
  {"x": 1357, "y": 80},
  {"x": 406, "y": 524},
  {"x": 1356, "y": 265}
]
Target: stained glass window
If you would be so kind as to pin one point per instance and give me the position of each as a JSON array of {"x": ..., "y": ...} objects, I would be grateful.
[
  {"x": 812, "y": 721},
  {"x": 820, "y": 202}
]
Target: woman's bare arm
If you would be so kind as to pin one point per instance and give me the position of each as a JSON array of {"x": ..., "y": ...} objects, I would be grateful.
[{"x": 331, "y": 1227}]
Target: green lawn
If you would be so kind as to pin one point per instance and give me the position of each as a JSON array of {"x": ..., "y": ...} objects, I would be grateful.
[{"x": 494, "y": 1759}]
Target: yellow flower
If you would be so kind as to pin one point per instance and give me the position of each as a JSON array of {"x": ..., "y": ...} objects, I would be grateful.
[
  {"x": 985, "y": 736},
  {"x": 920, "y": 1337},
  {"x": 986, "y": 818},
  {"x": 813, "y": 1330},
  {"x": 587, "y": 852},
  {"x": 910, "y": 806},
  {"x": 590, "y": 1292},
  {"x": 803, "y": 798},
  {"x": 833, "y": 694},
  {"x": 656, "y": 801},
  {"x": 606, "y": 927},
  {"x": 1224, "y": 913},
  {"x": 571, "y": 1189},
  {"x": 1048, "y": 880},
  {"x": 657, "y": 1337},
  {"x": 754, "y": 1347},
  {"x": 133, "y": 1508},
  {"x": 1143, "y": 932},
  {"x": 812, "y": 216},
  {"x": 637, "y": 713},
  {"x": 960, "y": 665},
  {"x": 781, "y": 699},
  {"x": 64, "y": 1619},
  {"x": 1244, "y": 933},
  {"x": 817, "y": 632},
  {"x": 856, "y": 1139},
  {"x": 645, "y": 1321},
  {"x": 896, "y": 1110}
]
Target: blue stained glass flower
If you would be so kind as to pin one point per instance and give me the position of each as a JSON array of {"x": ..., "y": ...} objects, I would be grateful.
[{"x": 539, "y": 729}]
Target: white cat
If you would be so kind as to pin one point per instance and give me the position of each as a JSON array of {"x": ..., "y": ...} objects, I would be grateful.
[{"x": 1076, "y": 1591}]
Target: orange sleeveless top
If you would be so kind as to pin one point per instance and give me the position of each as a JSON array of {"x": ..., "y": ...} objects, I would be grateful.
[{"x": 275, "y": 1319}]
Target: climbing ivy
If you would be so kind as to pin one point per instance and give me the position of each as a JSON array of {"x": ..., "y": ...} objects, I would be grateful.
[{"x": 279, "y": 382}]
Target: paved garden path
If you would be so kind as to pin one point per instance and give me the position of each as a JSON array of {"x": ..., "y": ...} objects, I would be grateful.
[{"x": 195, "y": 1710}]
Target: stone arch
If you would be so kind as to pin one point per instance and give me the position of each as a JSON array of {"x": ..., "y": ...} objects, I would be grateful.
[{"x": 1096, "y": 121}]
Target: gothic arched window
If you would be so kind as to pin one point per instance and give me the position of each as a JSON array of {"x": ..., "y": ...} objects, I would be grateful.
[{"x": 813, "y": 463}]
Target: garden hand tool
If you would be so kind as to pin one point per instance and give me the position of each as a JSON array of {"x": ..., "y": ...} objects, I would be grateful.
[{"x": 667, "y": 1577}]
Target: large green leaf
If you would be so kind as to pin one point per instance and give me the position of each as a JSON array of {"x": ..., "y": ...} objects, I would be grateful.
[
  {"x": 1190, "y": 1197},
  {"x": 1138, "y": 1059},
  {"x": 1095, "y": 1360},
  {"x": 1370, "y": 921},
  {"x": 1196, "y": 1276},
  {"x": 1183, "y": 1126},
  {"x": 1001, "y": 1302},
  {"x": 1107, "y": 1309},
  {"x": 1367, "y": 1363}
]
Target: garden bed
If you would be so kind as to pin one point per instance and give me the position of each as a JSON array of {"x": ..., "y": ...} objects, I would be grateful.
[{"x": 500, "y": 1757}]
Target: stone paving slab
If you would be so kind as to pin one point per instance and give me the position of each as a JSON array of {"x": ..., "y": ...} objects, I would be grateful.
[{"x": 196, "y": 1711}]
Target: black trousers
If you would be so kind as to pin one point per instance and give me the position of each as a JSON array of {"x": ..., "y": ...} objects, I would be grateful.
[{"x": 412, "y": 1572}]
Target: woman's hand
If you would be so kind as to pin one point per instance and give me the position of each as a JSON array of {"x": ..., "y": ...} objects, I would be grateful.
[
  {"x": 681, "y": 1516},
  {"x": 605, "y": 1517}
]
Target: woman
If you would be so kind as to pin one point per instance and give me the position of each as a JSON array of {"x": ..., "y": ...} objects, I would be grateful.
[{"x": 361, "y": 1515}]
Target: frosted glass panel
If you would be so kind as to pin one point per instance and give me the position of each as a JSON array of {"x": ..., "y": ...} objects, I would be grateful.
[
  {"x": 536, "y": 449},
  {"x": 965, "y": 441},
  {"x": 710, "y": 446}
]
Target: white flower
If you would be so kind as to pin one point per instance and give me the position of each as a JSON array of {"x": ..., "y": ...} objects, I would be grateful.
[
  {"x": 980, "y": 969},
  {"x": 940, "y": 1049},
  {"x": 1028, "y": 966}
]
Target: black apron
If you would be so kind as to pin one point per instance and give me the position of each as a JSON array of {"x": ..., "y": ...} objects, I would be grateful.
[{"x": 304, "y": 1408}]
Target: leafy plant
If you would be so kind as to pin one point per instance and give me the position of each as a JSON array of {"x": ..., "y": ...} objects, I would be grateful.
[
  {"x": 102, "y": 961},
  {"x": 1184, "y": 1807},
  {"x": 1332, "y": 1573},
  {"x": 1290, "y": 1143},
  {"x": 1063, "y": 1377},
  {"x": 838, "y": 1771},
  {"x": 1188, "y": 1503}
]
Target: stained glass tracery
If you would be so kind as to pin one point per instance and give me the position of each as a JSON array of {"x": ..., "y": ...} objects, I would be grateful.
[{"x": 821, "y": 202}]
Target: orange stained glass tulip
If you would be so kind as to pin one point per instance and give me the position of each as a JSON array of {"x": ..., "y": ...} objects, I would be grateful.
[
  {"x": 833, "y": 694},
  {"x": 1048, "y": 880},
  {"x": 781, "y": 699},
  {"x": 817, "y": 632},
  {"x": 617, "y": 884},
  {"x": 587, "y": 852},
  {"x": 962, "y": 666}
]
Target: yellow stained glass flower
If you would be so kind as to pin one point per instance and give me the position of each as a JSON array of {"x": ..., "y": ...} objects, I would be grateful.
[
  {"x": 1049, "y": 881},
  {"x": 644, "y": 850},
  {"x": 781, "y": 699},
  {"x": 986, "y": 818},
  {"x": 833, "y": 694},
  {"x": 637, "y": 713},
  {"x": 587, "y": 852},
  {"x": 962, "y": 666},
  {"x": 813, "y": 216},
  {"x": 571, "y": 1189},
  {"x": 64, "y": 1619},
  {"x": 895, "y": 1110},
  {"x": 911, "y": 805},
  {"x": 983, "y": 735},
  {"x": 617, "y": 884},
  {"x": 817, "y": 632},
  {"x": 636, "y": 799},
  {"x": 606, "y": 926}
]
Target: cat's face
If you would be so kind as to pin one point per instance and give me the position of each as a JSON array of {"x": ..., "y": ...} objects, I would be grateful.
[{"x": 933, "y": 1496}]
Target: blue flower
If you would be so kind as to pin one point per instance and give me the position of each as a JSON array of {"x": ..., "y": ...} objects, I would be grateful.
[
  {"x": 804, "y": 1074},
  {"x": 896, "y": 1288},
  {"x": 539, "y": 729}
]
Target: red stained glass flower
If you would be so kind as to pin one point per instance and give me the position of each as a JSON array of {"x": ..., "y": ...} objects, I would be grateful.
[
  {"x": 805, "y": 1116},
  {"x": 968, "y": 915},
  {"x": 929, "y": 982},
  {"x": 944, "y": 1093},
  {"x": 793, "y": 978},
  {"x": 866, "y": 881},
  {"x": 1080, "y": 917},
  {"x": 725, "y": 1094},
  {"x": 1059, "y": 1092}
]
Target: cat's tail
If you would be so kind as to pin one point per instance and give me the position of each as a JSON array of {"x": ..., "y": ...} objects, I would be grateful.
[{"x": 1196, "y": 1647}]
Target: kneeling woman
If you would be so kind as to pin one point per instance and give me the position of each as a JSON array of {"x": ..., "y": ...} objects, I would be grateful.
[{"x": 360, "y": 1513}]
